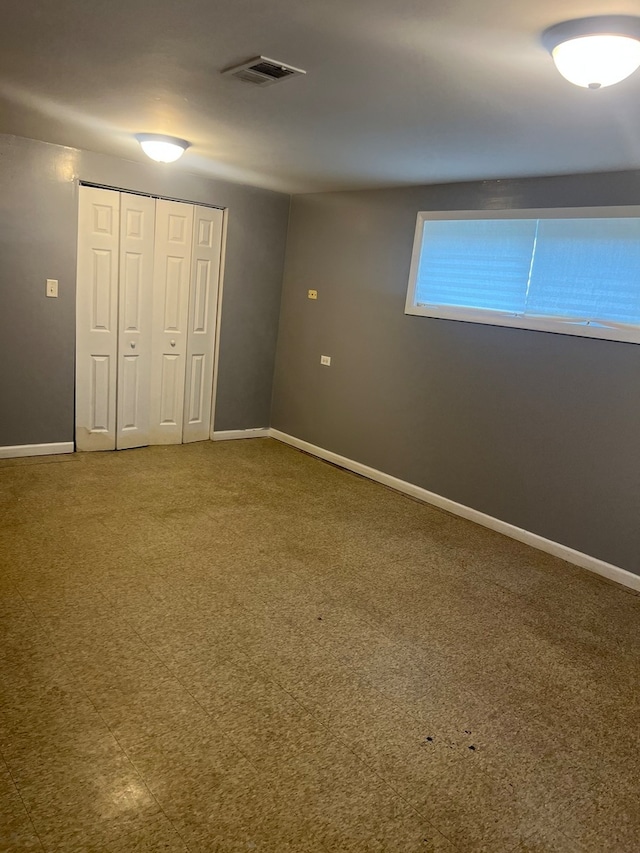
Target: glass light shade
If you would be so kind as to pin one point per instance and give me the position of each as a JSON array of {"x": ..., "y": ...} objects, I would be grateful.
[
  {"x": 162, "y": 149},
  {"x": 595, "y": 61}
]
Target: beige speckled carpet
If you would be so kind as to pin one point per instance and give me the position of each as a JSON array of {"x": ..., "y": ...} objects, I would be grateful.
[{"x": 237, "y": 647}]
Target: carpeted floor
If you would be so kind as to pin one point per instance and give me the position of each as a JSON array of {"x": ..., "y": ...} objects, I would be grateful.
[{"x": 237, "y": 647}]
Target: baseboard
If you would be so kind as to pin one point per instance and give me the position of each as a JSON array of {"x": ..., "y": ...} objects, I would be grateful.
[
  {"x": 577, "y": 558},
  {"x": 13, "y": 451},
  {"x": 232, "y": 434}
]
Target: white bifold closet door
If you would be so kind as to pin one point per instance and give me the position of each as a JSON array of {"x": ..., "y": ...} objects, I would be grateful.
[
  {"x": 97, "y": 318},
  {"x": 203, "y": 301},
  {"x": 147, "y": 293},
  {"x": 135, "y": 301},
  {"x": 174, "y": 236}
]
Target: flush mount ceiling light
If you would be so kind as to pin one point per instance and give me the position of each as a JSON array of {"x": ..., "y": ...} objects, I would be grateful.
[
  {"x": 162, "y": 149},
  {"x": 595, "y": 52}
]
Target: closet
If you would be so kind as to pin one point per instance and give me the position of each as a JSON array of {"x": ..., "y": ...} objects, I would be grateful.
[{"x": 147, "y": 297}]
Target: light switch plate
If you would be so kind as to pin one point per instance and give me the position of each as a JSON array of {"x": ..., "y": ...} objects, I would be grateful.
[
  {"x": 326, "y": 360},
  {"x": 312, "y": 294},
  {"x": 52, "y": 287}
]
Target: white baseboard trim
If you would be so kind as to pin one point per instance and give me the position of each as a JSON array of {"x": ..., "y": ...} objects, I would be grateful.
[
  {"x": 577, "y": 558},
  {"x": 232, "y": 434},
  {"x": 13, "y": 451}
]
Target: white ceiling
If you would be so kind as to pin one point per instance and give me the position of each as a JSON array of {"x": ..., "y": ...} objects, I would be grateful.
[{"x": 397, "y": 91}]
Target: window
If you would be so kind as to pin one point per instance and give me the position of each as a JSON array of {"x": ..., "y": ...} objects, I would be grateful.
[{"x": 574, "y": 271}]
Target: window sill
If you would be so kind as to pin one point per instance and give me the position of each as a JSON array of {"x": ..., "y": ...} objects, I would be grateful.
[{"x": 630, "y": 335}]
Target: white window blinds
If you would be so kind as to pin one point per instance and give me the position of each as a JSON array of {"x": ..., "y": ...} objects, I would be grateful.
[
  {"x": 476, "y": 263},
  {"x": 587, "y": 269},
  {"x": 583, "y": 270}
]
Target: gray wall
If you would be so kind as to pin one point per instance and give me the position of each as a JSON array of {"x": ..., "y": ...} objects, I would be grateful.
[
  {"x": 38, "y": 210},
  {"x": 540, "y": 430}
]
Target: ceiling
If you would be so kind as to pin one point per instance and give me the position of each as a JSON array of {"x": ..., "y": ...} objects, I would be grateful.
[{"x": 396, "y": 92}]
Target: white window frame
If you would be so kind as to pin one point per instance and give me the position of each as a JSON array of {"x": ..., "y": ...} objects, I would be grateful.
[{"x": 566, "y": 326}]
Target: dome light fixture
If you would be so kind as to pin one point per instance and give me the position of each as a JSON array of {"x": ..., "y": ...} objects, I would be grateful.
[
  {"x": 161, "y": 148},
  {"x": 595, "y": 52}
]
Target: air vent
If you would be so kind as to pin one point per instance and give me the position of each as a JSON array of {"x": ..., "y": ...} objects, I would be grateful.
[{"x": 262, "y": 71}]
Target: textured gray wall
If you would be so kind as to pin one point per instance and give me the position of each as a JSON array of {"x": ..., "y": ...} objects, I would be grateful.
[
  {"x": 540, "y": 430},
  {"x": 38, "y": 214}
]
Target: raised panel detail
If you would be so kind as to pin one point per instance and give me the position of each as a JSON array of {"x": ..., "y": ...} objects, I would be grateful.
[
  {"x": 177, "y": 227},
  {"x": 132, "y": 291},
  {"x": 133, "y": 224},
  {"x": 169, "y": 387},
  {"x": 102, "y": 219},
  {"x": 205, "y": 233},
  {"x": 99, "y": 393},
  {"x": 129, "y": 392},
  {"x": 201, "y": 296},
  {"x": 101, "y": 290},
  {"x": 196, "y": 389},
  {"x": 172, "y": 293}
]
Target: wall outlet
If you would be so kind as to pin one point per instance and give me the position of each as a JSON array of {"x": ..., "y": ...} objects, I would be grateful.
[
  {"x": 312, "y": 294},
  {"x": 326, "y": 360},
  {"x": 52, "y": 287}
]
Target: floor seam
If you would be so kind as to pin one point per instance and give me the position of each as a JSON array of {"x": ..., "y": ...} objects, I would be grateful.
[{"x": 24, "y": 805}]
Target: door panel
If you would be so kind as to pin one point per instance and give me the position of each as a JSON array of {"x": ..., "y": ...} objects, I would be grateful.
[
  {"x": 203, "y": 305},
  {"x": 170, "y": 384},
  {"x": 173, "y": 247},
  {"x": 195, "y": 392},
  {"x": 175, "y": 278},
  {"x": 137, "y": 233},
  {"x": 102, "y": 290},
  {"x": 128, "y": 394},
  {"x": 96, "y": 318},
  {"x": 132, "y": 290},
  {"x": 99, "y": 393}
]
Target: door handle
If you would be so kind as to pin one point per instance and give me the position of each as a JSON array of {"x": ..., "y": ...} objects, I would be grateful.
[
  {"x": 173, "y": 343},
  {"x": 133, "y": 344}
]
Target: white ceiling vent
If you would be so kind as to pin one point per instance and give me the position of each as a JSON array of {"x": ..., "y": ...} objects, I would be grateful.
[{"x": 262, "y": 71}]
